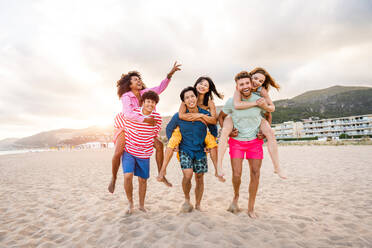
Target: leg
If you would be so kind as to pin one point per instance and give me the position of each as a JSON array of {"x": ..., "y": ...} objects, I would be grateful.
[
  {"x": 254, "y": 167},
  {"x": 199, "y": 189},
  {"x": 163, "y": 171},
  {"x": 159, "y": 147},
  {"x": 119, "y": 150},
  {"x": 142, "y": 183},
  {"x": 186, "y": 187},
  {"x": 174, "y": 141},
  {"x": 128, "y": 187},
  {"x": 211, "y": 144},
  {"x": 222, "y": 142},
  {"x": 236, "y": 165},
  {"x": 272, "y": 146}
]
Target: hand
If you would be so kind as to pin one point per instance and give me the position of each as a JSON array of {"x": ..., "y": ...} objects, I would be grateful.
[
  {"x": 150, "y": 120},
  {"x": 176, "y": 67},
  {"x": 196, "y": 116},
  {"x": 234, "y": 133},
  {"x": 260, "y": 135},
  {"x": 261, "y": 103},
  {"x": 201, "y": 120},
  {"x": 204, "y": 122}
]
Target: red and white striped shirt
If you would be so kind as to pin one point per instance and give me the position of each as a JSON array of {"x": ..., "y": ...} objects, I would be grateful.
[{"x": 139, "y": 136}]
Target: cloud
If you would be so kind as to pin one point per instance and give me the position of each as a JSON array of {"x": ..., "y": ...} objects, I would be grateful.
[{"x": 60, "y": 60}]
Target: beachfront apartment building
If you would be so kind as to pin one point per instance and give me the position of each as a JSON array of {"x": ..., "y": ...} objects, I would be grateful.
[
  {"x": 360, "y": 125},
  {"x": 288, "y": 130}
]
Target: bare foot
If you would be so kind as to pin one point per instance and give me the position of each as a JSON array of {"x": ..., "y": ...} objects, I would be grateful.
[
  {"x": 233, "y": 208},
  {"x": 166, "y": 182},
  {"x": 111, "y": 187},
  {"x": 161, "y": 178},
  {"x": 280, "y": 173},
  {"x": 197, "y": 207},
  {"x": 220, "y": 176},
  {"x": 130, "y": 209},
  {"x": 252, "y": 214},
  {"x": 186, "y": 207},
  {"x": 143, "y": 209}
]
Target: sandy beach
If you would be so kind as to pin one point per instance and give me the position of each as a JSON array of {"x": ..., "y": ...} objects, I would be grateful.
[{"x": 60, "y": 199}]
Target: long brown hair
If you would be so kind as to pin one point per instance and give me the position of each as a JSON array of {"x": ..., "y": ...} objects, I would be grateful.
[
  {"x": 123, "y": 84},
  {"x": 269, "y": 81},
  {"x": 212, "y": 89}
]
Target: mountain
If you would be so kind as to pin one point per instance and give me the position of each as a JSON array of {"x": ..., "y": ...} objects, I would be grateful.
[
  {"x": 336, "y": 101},
  {"x": 6, "y": 143},
  {"x": 63, "y": 137}
]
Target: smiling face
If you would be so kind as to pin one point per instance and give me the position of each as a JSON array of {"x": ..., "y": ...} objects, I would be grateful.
[
  {"x": 244, "y": 86},
  {"x": 257, "y": 80},
  {"x": 190, "y": 99},
  {"x": 202, "y": 87},
  {"x": 148, "y": 106},
  {"x": 136, "y": 83}
]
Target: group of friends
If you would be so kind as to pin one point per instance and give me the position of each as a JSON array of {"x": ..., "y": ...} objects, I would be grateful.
[{"x": 192, "y": 132}]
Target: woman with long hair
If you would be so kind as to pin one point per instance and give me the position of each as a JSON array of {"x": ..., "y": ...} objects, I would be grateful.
[
  {"x": 130, "y": 88},
  {"x": 261, "y": 83},
  {"x": 205, "y": 88}
]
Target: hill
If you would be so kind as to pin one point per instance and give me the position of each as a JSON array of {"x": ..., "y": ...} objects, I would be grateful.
[
  {"x": 336, "y": 101},
  {"x": 63, "y": 137}
]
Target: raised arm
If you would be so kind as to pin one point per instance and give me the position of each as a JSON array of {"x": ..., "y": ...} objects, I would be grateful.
[
  {"x": 164, "y": 84},
  {"x": 239, "y": 104}
]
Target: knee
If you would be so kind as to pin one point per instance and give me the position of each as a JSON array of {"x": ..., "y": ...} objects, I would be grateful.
[
  {"x": 128, "y": 176},
  {"x": 142, "y": 181},
  {"x": 255, "y": 174},
  {"x": 187, "y": 178},
  {"x": 199, "y": 178},
  {"x": 237, "y": 174}
]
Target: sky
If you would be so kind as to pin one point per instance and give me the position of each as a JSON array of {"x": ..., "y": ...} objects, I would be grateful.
[{"x": 60, "y": 60}]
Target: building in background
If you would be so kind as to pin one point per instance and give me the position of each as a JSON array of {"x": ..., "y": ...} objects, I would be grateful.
[
  {"x": 288, "y": 130},
  {"x": 360, "y": 125}
]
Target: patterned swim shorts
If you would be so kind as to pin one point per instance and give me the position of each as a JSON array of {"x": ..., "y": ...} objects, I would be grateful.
[{"x": 197, "y": 165}]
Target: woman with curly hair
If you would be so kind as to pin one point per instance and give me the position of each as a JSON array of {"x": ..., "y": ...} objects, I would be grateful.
[{"x": 130, "y": 88}]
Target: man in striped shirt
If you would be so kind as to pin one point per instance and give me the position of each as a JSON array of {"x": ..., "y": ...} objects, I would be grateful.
[{"x": 139, "y": 144}]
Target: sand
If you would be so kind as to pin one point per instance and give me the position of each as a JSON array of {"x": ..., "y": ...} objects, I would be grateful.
[{"x": 60, "y": 199}]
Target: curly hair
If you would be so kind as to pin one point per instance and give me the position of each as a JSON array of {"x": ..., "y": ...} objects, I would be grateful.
[
  {"x": 212, "y": 89},
  {"x": 123, "y": 84},
  {"x": 242, "y": 74},
  {"x": 152, "y": 95},
  {"x": 269, "y": 81}
]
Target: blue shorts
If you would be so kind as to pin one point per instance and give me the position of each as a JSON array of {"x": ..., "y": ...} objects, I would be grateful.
[{"x": 139, "y": 166}]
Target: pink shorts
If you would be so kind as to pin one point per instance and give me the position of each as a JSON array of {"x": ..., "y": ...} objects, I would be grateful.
[
  {"x": 252, "y": 149},
  {"x": 118, "y": 126}
]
